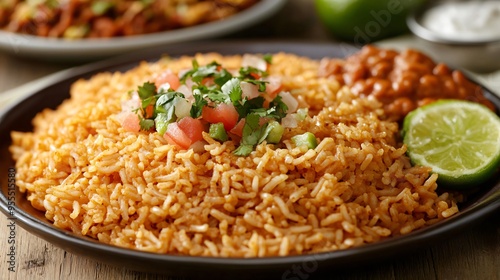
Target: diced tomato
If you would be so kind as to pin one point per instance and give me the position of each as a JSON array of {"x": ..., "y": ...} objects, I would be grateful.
[
  {"x": 223, "y": 113},
  {"x": 176, "y": 136},
  {"x": 130, "y": 122},
  {"x": 238, "y": 128},
  {"x": 170, "y": 78},
  {"x": 170, "y": 140},
  {"x": 254, "y": 75},
  {"x": 149, "y": 111},
  {"x": 193, "y": 128},
  {"x": 208, "y": 81}
]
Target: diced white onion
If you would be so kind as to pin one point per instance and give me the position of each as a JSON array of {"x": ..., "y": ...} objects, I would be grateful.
[
  {"x": 165, "y": 87},
  {"x": 120, "y": 117},
  {"x": 188, "y": 94},
  {"x": 234, "y": 72},
  {"x": 254, "y": 61},
  {"x": 290, "y": 101},
  {"x": 198, "y": 146},
  {"x": 131, "y": 104},
  {"x": 249, "y": 90},
  {"x": 189, "y": 83},
  {"x": 273, "y": 83},
  {"x": 182, "y": 107},
  {"x": 182, "y": 72},
  {"x": 290, "y": 121}
]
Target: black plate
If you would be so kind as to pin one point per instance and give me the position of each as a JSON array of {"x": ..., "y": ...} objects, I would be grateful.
[{"x": 18, "y": 117}]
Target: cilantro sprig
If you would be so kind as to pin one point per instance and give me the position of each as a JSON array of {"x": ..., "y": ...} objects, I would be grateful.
[{"x": 157, "y": 107}]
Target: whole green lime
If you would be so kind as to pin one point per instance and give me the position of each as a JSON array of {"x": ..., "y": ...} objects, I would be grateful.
[{"x": 365, "y": 21}]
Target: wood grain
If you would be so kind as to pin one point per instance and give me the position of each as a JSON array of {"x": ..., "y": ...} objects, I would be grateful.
[{"x": 471, "y": 254}]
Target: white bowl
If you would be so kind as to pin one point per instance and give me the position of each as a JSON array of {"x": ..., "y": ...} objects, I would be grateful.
[{"x": 479, "y": 53}]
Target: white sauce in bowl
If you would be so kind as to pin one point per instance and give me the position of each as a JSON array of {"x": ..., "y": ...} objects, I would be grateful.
[{"x": 465, "y": 21}]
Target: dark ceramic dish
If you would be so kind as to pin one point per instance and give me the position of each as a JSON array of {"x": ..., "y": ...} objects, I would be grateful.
[{"x": 482, "y": 202}]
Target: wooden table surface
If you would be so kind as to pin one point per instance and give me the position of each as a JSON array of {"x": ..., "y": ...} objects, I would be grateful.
[{"x": 471, "y": 254}]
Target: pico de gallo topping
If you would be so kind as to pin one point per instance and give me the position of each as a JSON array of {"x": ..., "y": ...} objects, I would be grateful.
[{"x": 246, "y": 106}]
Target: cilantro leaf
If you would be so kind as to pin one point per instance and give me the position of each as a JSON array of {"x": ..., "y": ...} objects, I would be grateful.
[
  {"x": 268, "y": 58},
  {"x": 222, "y": 77},
  {"x": 146, "y": 124},
  {"x": 262, "y": 112},
  {"x": 189, "y": 73},
  {"x": 165, "y": 110},
  {"x": 163, "y": 100},
  {"x": 204, "y": 71},
  {"x": 232, "y": 89},
  {"x": 147, "y": 90},
  {"x": 243, "y": 150},
  {"x": 280, "y": 108},
  {"x": 248, "y": 106},
  {"x": 251, "y": 130},
  {"x": 146, "y": 102},
  {"x": 216, "y": 96},
  {"x": 195, "y": 64},
  {"x": 198, "y": 104},
  {"x": 213, "y": 93}
]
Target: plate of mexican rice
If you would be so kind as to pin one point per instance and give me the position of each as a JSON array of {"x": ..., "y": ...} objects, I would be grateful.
[{"x": 230, "y": 156}]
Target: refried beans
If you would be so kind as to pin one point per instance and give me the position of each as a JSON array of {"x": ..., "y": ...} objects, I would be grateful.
[{"x": 402, "y": 81}]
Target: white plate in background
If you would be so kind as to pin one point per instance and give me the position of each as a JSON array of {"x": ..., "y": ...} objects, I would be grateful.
[{"x": 91, "y": 49}]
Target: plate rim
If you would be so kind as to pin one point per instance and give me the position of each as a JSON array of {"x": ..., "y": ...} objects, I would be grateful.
[{"x": 467, "y": 218}]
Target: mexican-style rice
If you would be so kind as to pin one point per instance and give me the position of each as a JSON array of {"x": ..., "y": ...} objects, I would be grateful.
[{"x": 134, "y": 190}]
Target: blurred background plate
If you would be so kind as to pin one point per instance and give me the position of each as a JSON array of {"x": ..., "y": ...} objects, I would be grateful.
[{"x": 42, "y": 48}]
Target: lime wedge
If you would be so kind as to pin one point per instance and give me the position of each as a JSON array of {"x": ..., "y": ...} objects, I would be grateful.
[{"x": 459, "y": 140}]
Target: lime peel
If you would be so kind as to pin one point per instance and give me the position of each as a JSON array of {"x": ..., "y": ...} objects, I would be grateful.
[{"x": 459, "y": 140}]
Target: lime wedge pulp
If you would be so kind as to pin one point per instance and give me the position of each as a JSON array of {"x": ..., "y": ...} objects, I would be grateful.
[{"x": 459, "y": 140}]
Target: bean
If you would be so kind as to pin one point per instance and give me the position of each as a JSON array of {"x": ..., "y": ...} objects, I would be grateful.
[{"x": 402, "y": 81}]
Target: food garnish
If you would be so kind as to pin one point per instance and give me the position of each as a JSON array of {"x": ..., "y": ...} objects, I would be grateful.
[
  {"x": 227, "y": 105},
  {"x": 307, "y": 139},
  {"x": 459, "y": 140}
]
